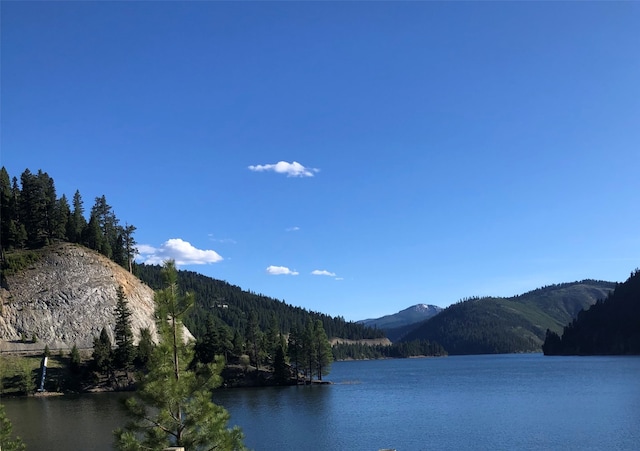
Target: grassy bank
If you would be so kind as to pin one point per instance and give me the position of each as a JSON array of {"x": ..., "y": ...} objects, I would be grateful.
[{"x": 20, "y": 374}]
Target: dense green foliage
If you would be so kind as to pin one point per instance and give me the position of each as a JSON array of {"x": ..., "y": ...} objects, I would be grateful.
[
  {"x": 358, "y": 351},
  {"x": 227, "y": 304},
  {"x": 32, "y": 216},
  {"x": 609, "y": 327},
  {"x": 309, "y": 350},
  {"x": 508, "y": 325},
  {"x": 173, "y": 405}
]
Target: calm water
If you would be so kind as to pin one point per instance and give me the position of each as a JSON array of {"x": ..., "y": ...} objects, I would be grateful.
[{"x": 464, "y": 402}]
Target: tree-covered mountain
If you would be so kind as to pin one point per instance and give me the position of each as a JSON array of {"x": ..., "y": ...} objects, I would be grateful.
[
  {"x": 506, "y": 325},
  {"x": 611, "y": 326},
  {"x": 223, "y": 303}
]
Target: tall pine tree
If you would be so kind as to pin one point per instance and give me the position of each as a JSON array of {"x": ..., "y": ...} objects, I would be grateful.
[
  {"x": 125, "y": 351},
  {"x": 173, "y": 405}
]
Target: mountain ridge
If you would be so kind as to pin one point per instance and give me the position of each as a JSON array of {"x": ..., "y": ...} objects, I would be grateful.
[
  {"x": 493, "y": 325},
  {"x": 411, "y": 315}
]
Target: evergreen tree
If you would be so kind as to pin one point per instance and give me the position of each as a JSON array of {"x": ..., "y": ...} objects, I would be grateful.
[
  {"x": 6, "y": 442},
  {"x": 77, "y": 223},
  {"x": 294, "y": 349},
  {"x": 17, "y": 230},
  {"x": 272, "y": 337},
  {"x": 50, "y": 207},
  {"x": 108, "y": 224},
  {"x": 129, "y": 244},
  {"x": 225, "y": 341},
  {"x": 6, "y": 215},
  {"x": 32, "y": 208},
  {"x": 207, "y": 346},
  {"x": 74, "y": 359},
  {"x": 308, "y": 351},
  {"x": 26, "y": 381},
  {"x": 92, "y": 236},
  {"x": 125, "y": 351},
  {"x": 323, "y": 354},
  {"x": 62, "y": 217},
  {"x": 102, "y": 353},
  {"x": 281, "y": 373},
  {"x": 254, "y": 338},
  {"x": 173, "y": 405},
  {"x": 145, "y": 348}
]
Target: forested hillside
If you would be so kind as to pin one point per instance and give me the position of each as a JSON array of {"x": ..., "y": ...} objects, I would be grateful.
[
  {"x": 222, "y": 303},
  {"x": 609, "y": 327},
  {"x": 507, "y": 325}
]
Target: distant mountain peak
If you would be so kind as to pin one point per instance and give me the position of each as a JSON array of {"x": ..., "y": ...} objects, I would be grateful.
[
  {"x": 423, "y": 308},
  {"x": 411, "y": 315}
]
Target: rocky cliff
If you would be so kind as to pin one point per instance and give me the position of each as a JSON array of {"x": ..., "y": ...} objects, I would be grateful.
[{"x": 66, "y": 298}]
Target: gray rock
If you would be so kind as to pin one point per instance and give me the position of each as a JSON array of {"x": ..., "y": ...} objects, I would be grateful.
[{"x": 67, "y": 297}]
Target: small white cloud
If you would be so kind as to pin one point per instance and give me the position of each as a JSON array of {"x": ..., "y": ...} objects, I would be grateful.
[
  {"x": 183, "y": 252},
  {"x": 339, "y": 278},
  {"x": 281, "y": 270},
  {"x": 294, "y": 169},
  {"x": 292, "y": 229},
  {"x": 322, "y": 272}
]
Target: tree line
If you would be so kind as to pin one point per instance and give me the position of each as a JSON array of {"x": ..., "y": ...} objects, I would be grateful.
[
  {"x": 33, "y": 216},
  {"x": 611, "y": 326},
  {"x": 359, "y": 351}
]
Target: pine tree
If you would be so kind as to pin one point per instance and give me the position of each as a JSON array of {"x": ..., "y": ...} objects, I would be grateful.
[
  {"x": 74, "y": 359},
  {"x": 173, "y": 405},
  {"x": 102, "y": 353},
  {"x": 294, "y": 349},
  {"x": 207, "y": 346},
  {"x": 108, "y": 224},
  {"x": 92, "y": 236},
  {"x": 145, "y": 348},
  {"x": 77, "y": 223},
  {"x": 281, "y": 373},
  {"x": 254, "y": 338},
  {"x": 129, "y": 244},
  {"x": 323, "y": 354},
  {"x": 6, "y": 215},
  {"x": 125, "y": 351},
  {"x": 63, "y": 213}
]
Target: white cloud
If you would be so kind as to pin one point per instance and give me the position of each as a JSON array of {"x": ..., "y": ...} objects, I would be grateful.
[
  {"x": 294, "y": 169},
  {"x": 281, "y": 270},
  {"x": 322, "y": 272},
  {"x": 183, "y": 252},
  {"x": 292, "y": 229}
]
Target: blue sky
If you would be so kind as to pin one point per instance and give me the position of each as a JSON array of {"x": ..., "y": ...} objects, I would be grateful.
[{"x": 352, "y": 158}]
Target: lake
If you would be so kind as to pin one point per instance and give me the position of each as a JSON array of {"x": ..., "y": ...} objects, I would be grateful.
[{"x": 462, "y": 402}]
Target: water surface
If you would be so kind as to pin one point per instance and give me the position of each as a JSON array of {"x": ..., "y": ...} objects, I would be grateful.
[{"x": 502, "y": 402}]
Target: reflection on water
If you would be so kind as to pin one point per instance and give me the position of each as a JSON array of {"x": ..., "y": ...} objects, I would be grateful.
[
  {"x": 78, "y": 422},
  {"x": 463, "y": 402}
]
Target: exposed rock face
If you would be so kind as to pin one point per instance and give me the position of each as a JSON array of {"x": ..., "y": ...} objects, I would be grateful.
[{"x": 67, "y": 297}]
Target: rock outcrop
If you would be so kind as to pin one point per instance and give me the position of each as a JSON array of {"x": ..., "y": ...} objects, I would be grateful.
[{"x": 66, "y": 298}]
